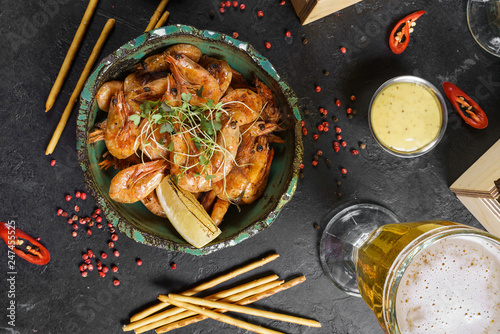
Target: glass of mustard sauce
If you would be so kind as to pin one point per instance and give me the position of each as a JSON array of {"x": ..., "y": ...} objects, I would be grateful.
[{"x": 407, "y": 116}]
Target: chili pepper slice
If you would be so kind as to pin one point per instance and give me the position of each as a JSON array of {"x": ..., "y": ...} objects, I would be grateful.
[
  {"x": 398, "y": 43},
  {"x": 35, "y": 253},
  {"x": 475, "y": 116}
]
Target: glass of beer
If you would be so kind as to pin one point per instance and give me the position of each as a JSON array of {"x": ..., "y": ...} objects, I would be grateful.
[{"x": 425, "y": 277}]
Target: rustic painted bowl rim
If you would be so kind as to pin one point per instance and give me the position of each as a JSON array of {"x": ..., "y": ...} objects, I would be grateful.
[{"x": 134, "y": 47}]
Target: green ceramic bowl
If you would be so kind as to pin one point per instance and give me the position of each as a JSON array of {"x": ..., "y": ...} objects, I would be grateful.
[{"x": 134, "y": 219}]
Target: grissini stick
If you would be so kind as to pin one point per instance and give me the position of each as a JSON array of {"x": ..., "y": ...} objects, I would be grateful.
[
  {"x": 207, "y": 285},
  {"x": 219, "y": 295},
  {"x": 162, "y": 20},
  {"x": 79, "y": 86},
  {"x": 246, "y": 301},
  {"x": 156, "y": 15},
  {"x": 70, "y": 56},
  {"x": 221, "y": 317}
]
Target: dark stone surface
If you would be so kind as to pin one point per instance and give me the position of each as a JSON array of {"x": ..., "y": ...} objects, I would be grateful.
[{"x": 55, "y": 299}]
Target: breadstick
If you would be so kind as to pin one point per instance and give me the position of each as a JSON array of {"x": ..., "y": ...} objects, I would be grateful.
[
  {"x": 68, "y": 60},
  {"x": 156, "y": 15},
  {"x": 79, "y": 86},
  {"x": 219, "y": 295},
  {"x": 221, "y": 317},
  {"x": 246, "y": 301},
  {"x": 162, "y": 20},
  {"x": 207, "y": 285},
  {"x": 244, "y": 310},
  {"x": 184, "y": 314}
]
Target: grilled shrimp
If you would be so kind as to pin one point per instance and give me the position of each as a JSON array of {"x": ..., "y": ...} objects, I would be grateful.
[
  {"x": 152, "y": 203},
  {"x": 106, "y": 92},
  {"x": 171, "y": 95},
  {"x": 219, "y": 69},
  {"x": 201, "y": 177},
  {"x": 243, "y": 105},
  {"x": 191, "y": 77},
  {"x": 135, "y": 183},
  {"x": 271, "y": 111},
  {"x": 153, "y": 143},
  {"x": 219, "y": 210},
  {"x": 157, "y": 62},
  {"x": 120, "y": 133},
  {"x": 238, "y": 80}
]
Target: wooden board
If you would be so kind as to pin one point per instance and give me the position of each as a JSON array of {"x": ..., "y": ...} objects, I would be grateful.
[
  {"x": 312, "y": 10},
  {"x": 478, "y": 180},
  {"x": 486, "y": 211}
]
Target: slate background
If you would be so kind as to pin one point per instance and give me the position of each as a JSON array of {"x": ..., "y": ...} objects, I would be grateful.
[{"x": 35, "y": 38}]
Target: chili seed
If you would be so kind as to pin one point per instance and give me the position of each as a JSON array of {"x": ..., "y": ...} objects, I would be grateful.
[
  {"x": 235, "y": 35},
  {"x": 74, "y": 234},
  {"x": 84, "y": 274},
  {"x": 343, "y": 50},
  {"x": 288, "y": 33},
  {"x": 68, "y": 198},
  {"x": 89, "y": 232},
  {"x": 344, "y": 171},
  {"x": 104, "y": 255},
  {"x": 337, "y": 103},
  {"x": 53, "y": 162},
  {"x": 362, "y": 145},
  {"x": 114, "y": 237},
  {"x": 173, "y": 265},
  {"x": 111, "y": 244},
  {"x": 242, "y": 6},
  {"x": 344, "y": 144},
  {"x": 339, "y": 137},
  {"x": 260, "y": 13},
  {"x": 315, "y": 136},
  {"x": 267, "y": 45},
  {"x": 59, "y": 212},
  {"x": 116, "y": 253},
  {"x": 314, "y": 163},
  {"x": 116, "y": 282},
  {"x": 78, "y": 194},
  {"x": 353, "y": 97},
  {"x": 354, "y": 152},
  {"x": 139, "y": 262},
  {"x": 114, "y": 268},
  {"x": 318, "y": 89},
  {"x": 84, "y": 196}
]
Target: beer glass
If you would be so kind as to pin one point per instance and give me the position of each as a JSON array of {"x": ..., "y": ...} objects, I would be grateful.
[
  {"x": 483, "y": 18},
  {"x": 419, "y": 277}
]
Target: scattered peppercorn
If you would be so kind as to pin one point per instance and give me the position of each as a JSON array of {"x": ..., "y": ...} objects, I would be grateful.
[
  {"x": 67, "y": 198},
  {"x": 53, "y": 162},
  {"x": 343, "y": 171},
  {"x": 335, "y": 119},
  {"x": 139, "y": 262},
  {"x": 315, "y": 163},
  {"x": 305, "y": 41},
  {"x": 301, "y": 175},
  {"x": 339, "y": 137},
  {"x": 315, "y": 157},
  {"x": 116, "y": 282},
  {"x": 320, "y": 127},
  {"x": 74, "y": 234},
  {"x": 99, "y": 226},
  {"x": 104, "y": 255},
  {"x": 306, "y": 112},
  {"x": 344, "y": 144},
  {"x": 83, "y": 196},
  {"x": 325, "y": 72},
  {"x": 318, "y": 89},
  {"x": 267, "y": 45},
  {"x": 339, "y": 183},
  {"x": 315, "y": 136},
  {"x": 173, "y": 265},
  {"x": 349, "y": 116},
  {"x": 90, "y": 253},
  {"x": 235, "y": 4},
  {"x": 338, "y": 129},
  {"x": 242, "y": 6},
  {"x": 105, "y": 269},
  {"x": 75, "y": 227},
  {"x": 85, "y": 256},
  {"x": 97, "y": 211},
  {"x": 102, "y": 274},
  {"x": 288, "y": 33},
  {"x": 114, "y": 237},
  {"x": 354, "y": 111},
  {"x": 84, "y": 274},
  {"x": 301, "y": 166},
  {"x": 328, "y": 162},
  {"x": 353, "y": 97},
  {"x": 349, "y": 110},
  {"x": 111, "y": 244},
  {"x": 362, "y": 145},
  {"x": 89, "y": 231},
  {"x": 98, "y": 219},
  {"x": 304, "y": 131},
  {"x": 282, "y": 3},
  {"x": 354, "y": 152},
  {"x": 235, "y": 34},
  {"x": 59, "y": 212},
  {"x": 336, "y": 149},
  {"x": 211, "y": 13},
  {"x": 316, "y": 226},
  {"x": 78, "y": 194},
  {"x": 114, "y": 268},
  {"x": 116, "y": 253},
  {"x": 260, "y": 13},
  {"x": 228, "y": 3},
  {"x": 319, "y": 153},
  {"x": 112, "y": 230},
  {"x": 339, "y": 195},
  {"x": 343, "y": 50},
  {"x": 337, "y": 102}
]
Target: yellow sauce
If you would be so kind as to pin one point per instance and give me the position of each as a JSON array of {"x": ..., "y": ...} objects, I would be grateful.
[{"x": 405, "y": 117}]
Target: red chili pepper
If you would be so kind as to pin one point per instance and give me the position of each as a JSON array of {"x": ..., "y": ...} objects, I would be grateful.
[
  {"x": 400, "y": 34},
  {"x": 475, "y": 116},
  {"x": 12, "y": 237}
]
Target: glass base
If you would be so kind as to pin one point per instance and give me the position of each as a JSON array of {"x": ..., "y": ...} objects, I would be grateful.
[
  {"x": 347, "y": 230},
  {"x": 483, "y": 18}
]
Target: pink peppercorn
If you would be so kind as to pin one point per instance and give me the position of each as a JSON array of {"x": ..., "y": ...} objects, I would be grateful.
[
  {"x": 53, "y": 162},
  {"x": 349, "y": 110},
  {"x": 90, "y": 253},
  {"x": 83, "y": 196},
  {"x": 78, "y": 194},
  {"x": 74, "y": 234},
  {"x": 235, "y": 4},
  {"x": 105, "y": 269},
  {"x": 75, "y": 227},
  {"x": 68, "y": 198},
  {"x": 315, "y": 136},
  {"x": 104, "y": 255},
  {"x": 116, "y": 282},
  {"x": 343, "y": 50},
  {"x": 97, "y": 211},
  {"x": 337, "y": 103},
  {"x": 98, "y": 219},
  {"x": 344, "y": 144},
  {"x": 99, "y": 226},
  {"x": 116, "y": 253},
  {"x": 303, "y": 123},
  {"x": 336, "y": 149},
  {"x": 114, "y": 268},
  {"x": 102, "y": 274},
  {"x": 235, "y": 34},
  {"x": 320, "y": 127},
  {"x": 314, "y": 163},
  {"x": 339, "y": 137},
  {"x": 325, "y": 129},
  {"x": 354, "y": 152},
  {"x": 173, "y": 265},
  {"x": 90, "y": 267},
  {"x": 114, "y": 237},
  {"x": 304, "y": 131},
  {"x": 77, "y": 208},
  {"x": 111, "y": 244},
  {"x": 139, "y": 262},
  {"x": 282, "y": 3},
  {"x": 260, "y": 13},
  {"x": 318, "y": 89},
  {"x": 301, "y": 166},
  {"x": 338, "y": 130},
  {"x": 242, "y": 6},
  {"x": 267, "y": 45},
  {"x": 84, "y": 274},
  {"x": 70, "y": 221},
  {"x": 288, "y": 33},
  {"x": 85, "y": 256},
  {"x": 89, "y": 232},
  {"x": 59, "y": 212},
  {"x": 344, "y": 171}
]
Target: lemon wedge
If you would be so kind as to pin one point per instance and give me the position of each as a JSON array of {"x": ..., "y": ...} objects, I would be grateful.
[{"x": 186, "y": 214}]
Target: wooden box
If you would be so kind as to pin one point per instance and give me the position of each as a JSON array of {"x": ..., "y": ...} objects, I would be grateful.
[
  {"x": 312, "y": 10},
  {"x": 478, "y": 189}
]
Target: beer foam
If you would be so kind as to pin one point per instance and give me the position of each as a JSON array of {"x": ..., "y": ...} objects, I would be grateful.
[{"x": 452, "y": 286}]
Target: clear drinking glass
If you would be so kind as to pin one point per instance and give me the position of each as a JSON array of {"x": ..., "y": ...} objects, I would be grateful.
[
  {"x": 483, "y": 18},
  {"x": 420, "y": 277}
]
